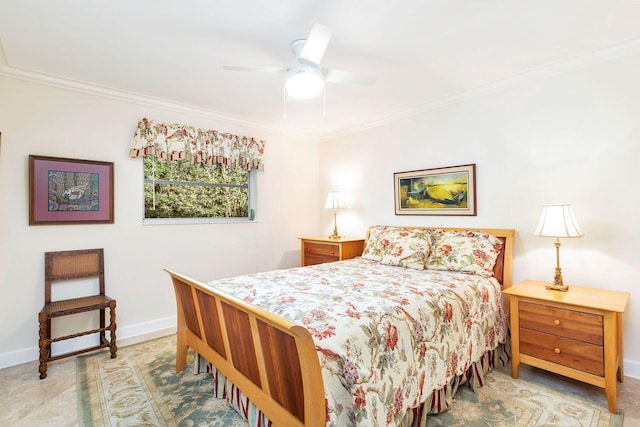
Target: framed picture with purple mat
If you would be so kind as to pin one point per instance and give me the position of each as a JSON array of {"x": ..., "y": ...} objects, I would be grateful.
[{"x": 70, "y": 191}]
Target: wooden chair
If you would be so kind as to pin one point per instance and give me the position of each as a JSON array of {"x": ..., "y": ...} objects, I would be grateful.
[{"x": 71, "y": 265}]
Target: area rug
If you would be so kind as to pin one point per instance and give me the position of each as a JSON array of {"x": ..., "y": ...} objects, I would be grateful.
[
  {"x": 503, "y": 401},
  {"x": 141, "y": 388}
]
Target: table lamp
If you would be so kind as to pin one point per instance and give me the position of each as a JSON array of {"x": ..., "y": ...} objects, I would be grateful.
[
  {"x": 557, "y": 221},
  {"x": 335, "y": 201}
]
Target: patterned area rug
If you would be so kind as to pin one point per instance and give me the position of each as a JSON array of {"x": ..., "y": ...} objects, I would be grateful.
[
  {"x": 141, "y": 388},
  {"x": 503, "y": 401}
]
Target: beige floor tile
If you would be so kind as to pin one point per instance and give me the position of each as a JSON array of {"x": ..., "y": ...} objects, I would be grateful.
[{"x": 25, "y": 400}]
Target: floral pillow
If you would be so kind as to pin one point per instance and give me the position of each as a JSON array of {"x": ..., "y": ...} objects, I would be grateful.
[
  {"x": 402, "y": 247},
  {"x": 470, "y": 252}
]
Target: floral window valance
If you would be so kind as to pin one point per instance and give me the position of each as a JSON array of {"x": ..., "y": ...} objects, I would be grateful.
[{"x": 176, "y": 142}]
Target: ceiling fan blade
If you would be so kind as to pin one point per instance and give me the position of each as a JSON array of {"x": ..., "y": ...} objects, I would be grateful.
[
  {"x": 316, "y": 43},
  {"x": 253, "y": 68},
  {"x": 338, "y": 76}
]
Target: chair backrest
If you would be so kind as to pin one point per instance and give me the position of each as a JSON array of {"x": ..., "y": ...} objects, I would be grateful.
[{"x": 68, "y": 265}]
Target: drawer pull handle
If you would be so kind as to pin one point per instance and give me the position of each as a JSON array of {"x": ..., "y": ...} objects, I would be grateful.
[
  {"x": 556, "y": 322},
  {"x": 556, "y": 350}
]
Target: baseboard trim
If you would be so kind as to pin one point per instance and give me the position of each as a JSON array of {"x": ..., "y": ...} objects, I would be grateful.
[
  {"x": 632, "y": 368},
  {"x": 138, "y": 332},
  {"x": 165, "y": 326}
]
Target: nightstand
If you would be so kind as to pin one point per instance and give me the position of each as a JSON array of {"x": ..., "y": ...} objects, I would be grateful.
[
  {"x": 318, "y": 250},
  {"x": 577, "y": 333}
]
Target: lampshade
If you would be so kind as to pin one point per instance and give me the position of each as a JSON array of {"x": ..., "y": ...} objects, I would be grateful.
[
  {"x": 335, "y": 200},
  {"x": 304, "y": 82},
  {"x": 557, "y": 221}
]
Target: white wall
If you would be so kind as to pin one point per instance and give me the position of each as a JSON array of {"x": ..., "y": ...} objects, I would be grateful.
[
  {"x": 572, "y": 137},
  {"x": 44, "y": 120}
]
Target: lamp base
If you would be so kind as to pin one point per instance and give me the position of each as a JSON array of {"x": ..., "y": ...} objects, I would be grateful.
[
  {"x": 558, "y": 284},
  {"x": 554, "y": 287},
  {"x": 335, "y": 235}
]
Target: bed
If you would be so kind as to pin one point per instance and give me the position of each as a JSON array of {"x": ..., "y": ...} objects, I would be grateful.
[{"x": 382, "y": 339}]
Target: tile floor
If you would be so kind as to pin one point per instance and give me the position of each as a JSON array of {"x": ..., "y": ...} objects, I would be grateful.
[
  {"x": 25, "y": 400},
  {"x": 628, "y": 391}
]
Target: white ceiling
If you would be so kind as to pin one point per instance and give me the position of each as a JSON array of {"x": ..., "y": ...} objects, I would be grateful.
[{"x": 423, "y": 52}]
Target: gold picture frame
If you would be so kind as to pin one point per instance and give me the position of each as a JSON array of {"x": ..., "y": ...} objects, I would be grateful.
[{"x": 439, "y": 191}]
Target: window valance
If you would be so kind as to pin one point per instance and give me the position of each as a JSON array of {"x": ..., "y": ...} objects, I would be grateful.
[{"x": 174, "y": 142}]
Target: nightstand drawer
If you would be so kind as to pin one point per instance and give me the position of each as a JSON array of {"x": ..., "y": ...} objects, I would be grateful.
[
  {"x": 563, "y": 351},
  {"x": 314, "y": 259},
  {"x": 562, "y": 322},
  {"x": 322, "y": 250}
]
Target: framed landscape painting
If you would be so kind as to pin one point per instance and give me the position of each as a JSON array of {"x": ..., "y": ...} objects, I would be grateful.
[
  {"x": 70, "y": 191},
  {"x": 440, "y": 191}
]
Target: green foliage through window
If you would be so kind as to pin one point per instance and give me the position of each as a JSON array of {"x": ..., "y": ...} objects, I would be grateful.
[{"x": 183, "y": 190}]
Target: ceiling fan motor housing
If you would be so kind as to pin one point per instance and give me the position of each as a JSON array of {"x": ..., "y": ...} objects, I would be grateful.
[{"x": 304, "y": 81}]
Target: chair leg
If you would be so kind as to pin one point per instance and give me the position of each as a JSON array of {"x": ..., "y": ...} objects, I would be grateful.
[
  {"x": 103, "y": 333},
  {"x": 44, "y": 344},
  {"x": 112, "y": 328}
]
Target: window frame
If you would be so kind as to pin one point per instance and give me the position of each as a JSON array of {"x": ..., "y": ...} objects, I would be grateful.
[{"x": 252, "y": 182}]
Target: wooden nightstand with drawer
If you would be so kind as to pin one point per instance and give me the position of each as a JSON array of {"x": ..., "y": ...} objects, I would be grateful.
[
  {"x": 318, "y": 250},
  {"x": 577, "y": 333}
]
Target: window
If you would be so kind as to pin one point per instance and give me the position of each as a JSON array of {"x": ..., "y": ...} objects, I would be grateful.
[
  {"x": 182, "y": 191},
  {"x": 196, "y": 175}
]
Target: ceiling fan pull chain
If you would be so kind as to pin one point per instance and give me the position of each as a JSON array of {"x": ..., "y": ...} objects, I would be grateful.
[
  {"x": 284, "y": 101},
  {"x": 324, "y": 101}
]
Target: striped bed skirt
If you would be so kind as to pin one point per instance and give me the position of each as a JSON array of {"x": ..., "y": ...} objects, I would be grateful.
[{"x": 437, "y": 402}]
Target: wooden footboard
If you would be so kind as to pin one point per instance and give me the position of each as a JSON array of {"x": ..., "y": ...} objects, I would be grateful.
[{"x": 273, "y": 361}]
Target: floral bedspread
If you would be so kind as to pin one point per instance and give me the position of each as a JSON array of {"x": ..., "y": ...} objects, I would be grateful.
[{"x": 386, "y": 336}]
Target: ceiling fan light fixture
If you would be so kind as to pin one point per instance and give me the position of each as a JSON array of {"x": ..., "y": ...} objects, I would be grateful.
[{"x": 304, "y": 83}]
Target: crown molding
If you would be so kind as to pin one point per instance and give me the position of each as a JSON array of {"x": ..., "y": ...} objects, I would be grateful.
[
  {"x": 52, "y": 80},
  {"x": 629, "y": 47},
  {"x": 116, "y": 94}
]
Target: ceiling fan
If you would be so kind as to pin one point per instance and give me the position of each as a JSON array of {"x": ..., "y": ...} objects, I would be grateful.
[{"x": 305, "y": 77}]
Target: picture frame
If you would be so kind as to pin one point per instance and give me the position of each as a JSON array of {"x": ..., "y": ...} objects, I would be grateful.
[
  {"x": 438, "y": 191},
  {"x": 70, "y": 191}
]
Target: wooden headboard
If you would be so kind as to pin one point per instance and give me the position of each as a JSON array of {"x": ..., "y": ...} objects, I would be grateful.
[{"x": 503, "y": 269}]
